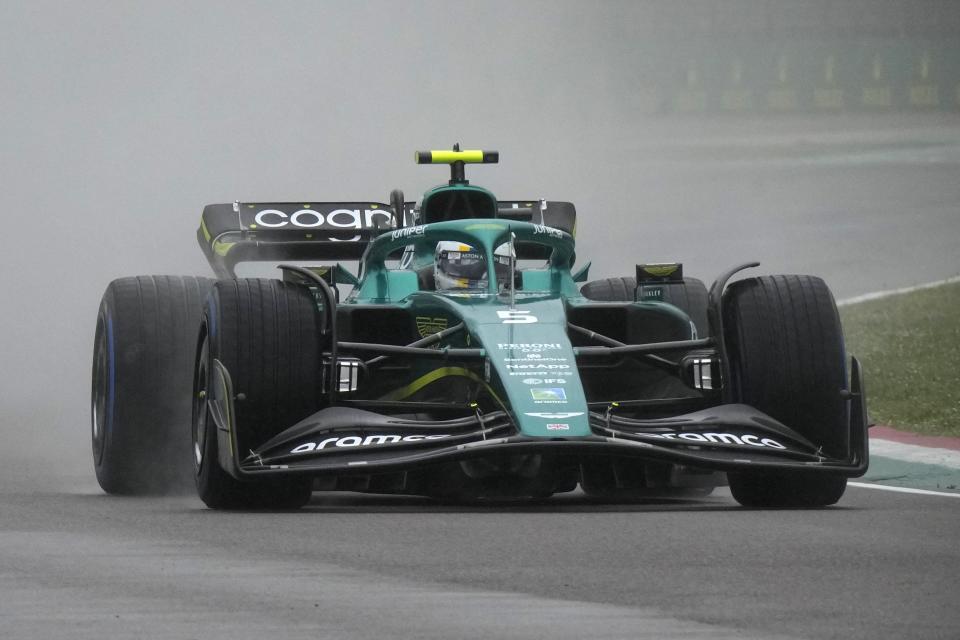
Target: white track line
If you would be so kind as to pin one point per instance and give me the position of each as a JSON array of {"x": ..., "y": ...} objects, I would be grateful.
[
  {"x": 922, "y": 492},
  {"x": 894, "y": 292}
]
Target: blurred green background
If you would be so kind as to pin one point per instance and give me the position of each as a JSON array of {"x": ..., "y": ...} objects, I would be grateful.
[{"x": 909, "y": 345}]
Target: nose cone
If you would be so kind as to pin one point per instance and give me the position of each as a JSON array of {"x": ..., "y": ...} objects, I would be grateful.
[{"x": 533, "y": 361}]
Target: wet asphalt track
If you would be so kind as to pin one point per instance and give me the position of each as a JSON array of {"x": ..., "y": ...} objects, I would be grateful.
[{"x": 78, "y": 564}]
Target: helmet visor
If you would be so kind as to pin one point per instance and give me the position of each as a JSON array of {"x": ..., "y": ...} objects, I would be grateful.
[{"x": 463, "y": 264}]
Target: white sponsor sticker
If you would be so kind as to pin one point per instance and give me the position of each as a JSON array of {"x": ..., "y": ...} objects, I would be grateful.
[
  {"x": 346, "y": 442},
  {"x": 311, "y": 219},
  {"x": 542, "y": 229},
  {"x": 527, "y": 346},
  {"x": 535, "y": 373},
  {"x": 537, "y": 366},
  {"x": 556, "y": 416},
  {"x": 407, "y": 232},
  {"x": 721, "y": 438}
]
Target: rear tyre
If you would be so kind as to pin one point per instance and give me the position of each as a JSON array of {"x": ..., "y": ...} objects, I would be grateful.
[
  {"x": 599, "y": 480},
  {"x": 267, "y": 335},
  {"x": 787, "y": 359},
  {"x": 140, "y": 404},
  {"x": 689, "y": 296},
  {"x": 610, "y": 290}
]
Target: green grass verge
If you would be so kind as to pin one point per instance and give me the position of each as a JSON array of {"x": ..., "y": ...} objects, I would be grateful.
[{"x": 909, "y": 346}]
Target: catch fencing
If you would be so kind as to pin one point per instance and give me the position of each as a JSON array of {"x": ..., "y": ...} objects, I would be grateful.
[{"x": 737, "y": 56}]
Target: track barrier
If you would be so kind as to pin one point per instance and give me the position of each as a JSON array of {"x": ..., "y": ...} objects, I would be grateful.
[{"x": 828, "y": 76}]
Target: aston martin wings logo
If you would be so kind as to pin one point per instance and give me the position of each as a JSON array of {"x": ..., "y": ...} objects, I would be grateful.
[{"x": 428, "y": 326}]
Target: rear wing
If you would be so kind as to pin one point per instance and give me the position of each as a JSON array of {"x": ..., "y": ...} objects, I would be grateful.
[
  {"x": 309, "y": 231},
  {"x": 328, "y": 231}
]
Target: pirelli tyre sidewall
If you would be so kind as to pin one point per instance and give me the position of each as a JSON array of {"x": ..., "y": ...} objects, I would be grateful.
[
  {"x": 787, "y": 359},
  {"x": 140, "y": 383},
  {"x": 267, "y": 334}
]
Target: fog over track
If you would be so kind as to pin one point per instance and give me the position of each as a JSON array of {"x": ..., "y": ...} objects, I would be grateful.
[{"x": 120, "y": 121}]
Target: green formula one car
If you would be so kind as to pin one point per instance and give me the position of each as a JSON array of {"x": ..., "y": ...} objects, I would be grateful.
[{"x": 463, "y": 360}]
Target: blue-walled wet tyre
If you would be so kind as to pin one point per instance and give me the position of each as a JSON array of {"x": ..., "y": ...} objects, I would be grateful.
[{"x": 141, "y": 382}]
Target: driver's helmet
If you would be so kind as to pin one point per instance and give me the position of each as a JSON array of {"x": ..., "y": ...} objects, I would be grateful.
[{"x": 460, "y": 266}]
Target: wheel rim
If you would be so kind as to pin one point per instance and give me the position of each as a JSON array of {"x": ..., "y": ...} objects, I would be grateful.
[
  {"x": 200, "y": 405},
  {"x": 99, "y": 391}
]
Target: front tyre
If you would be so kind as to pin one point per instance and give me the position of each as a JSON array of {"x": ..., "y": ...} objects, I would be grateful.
[
  {"x": 267, "y": 334},
  {"x": 787, "y": 359}
]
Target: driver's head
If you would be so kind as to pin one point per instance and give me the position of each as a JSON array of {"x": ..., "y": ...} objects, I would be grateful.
[{"x": 461, "y": 266}]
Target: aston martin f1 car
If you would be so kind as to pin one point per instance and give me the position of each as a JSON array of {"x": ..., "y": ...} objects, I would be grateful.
[{"x": 465, "y": 358}]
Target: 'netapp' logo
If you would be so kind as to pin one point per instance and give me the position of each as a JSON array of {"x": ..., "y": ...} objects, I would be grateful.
[
  {"x": 538, "y": 367},
  {"x": 361, "y": 441}
]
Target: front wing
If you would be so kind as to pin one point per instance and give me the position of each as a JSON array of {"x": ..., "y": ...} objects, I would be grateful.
[{"x": 342, "y": 441}]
